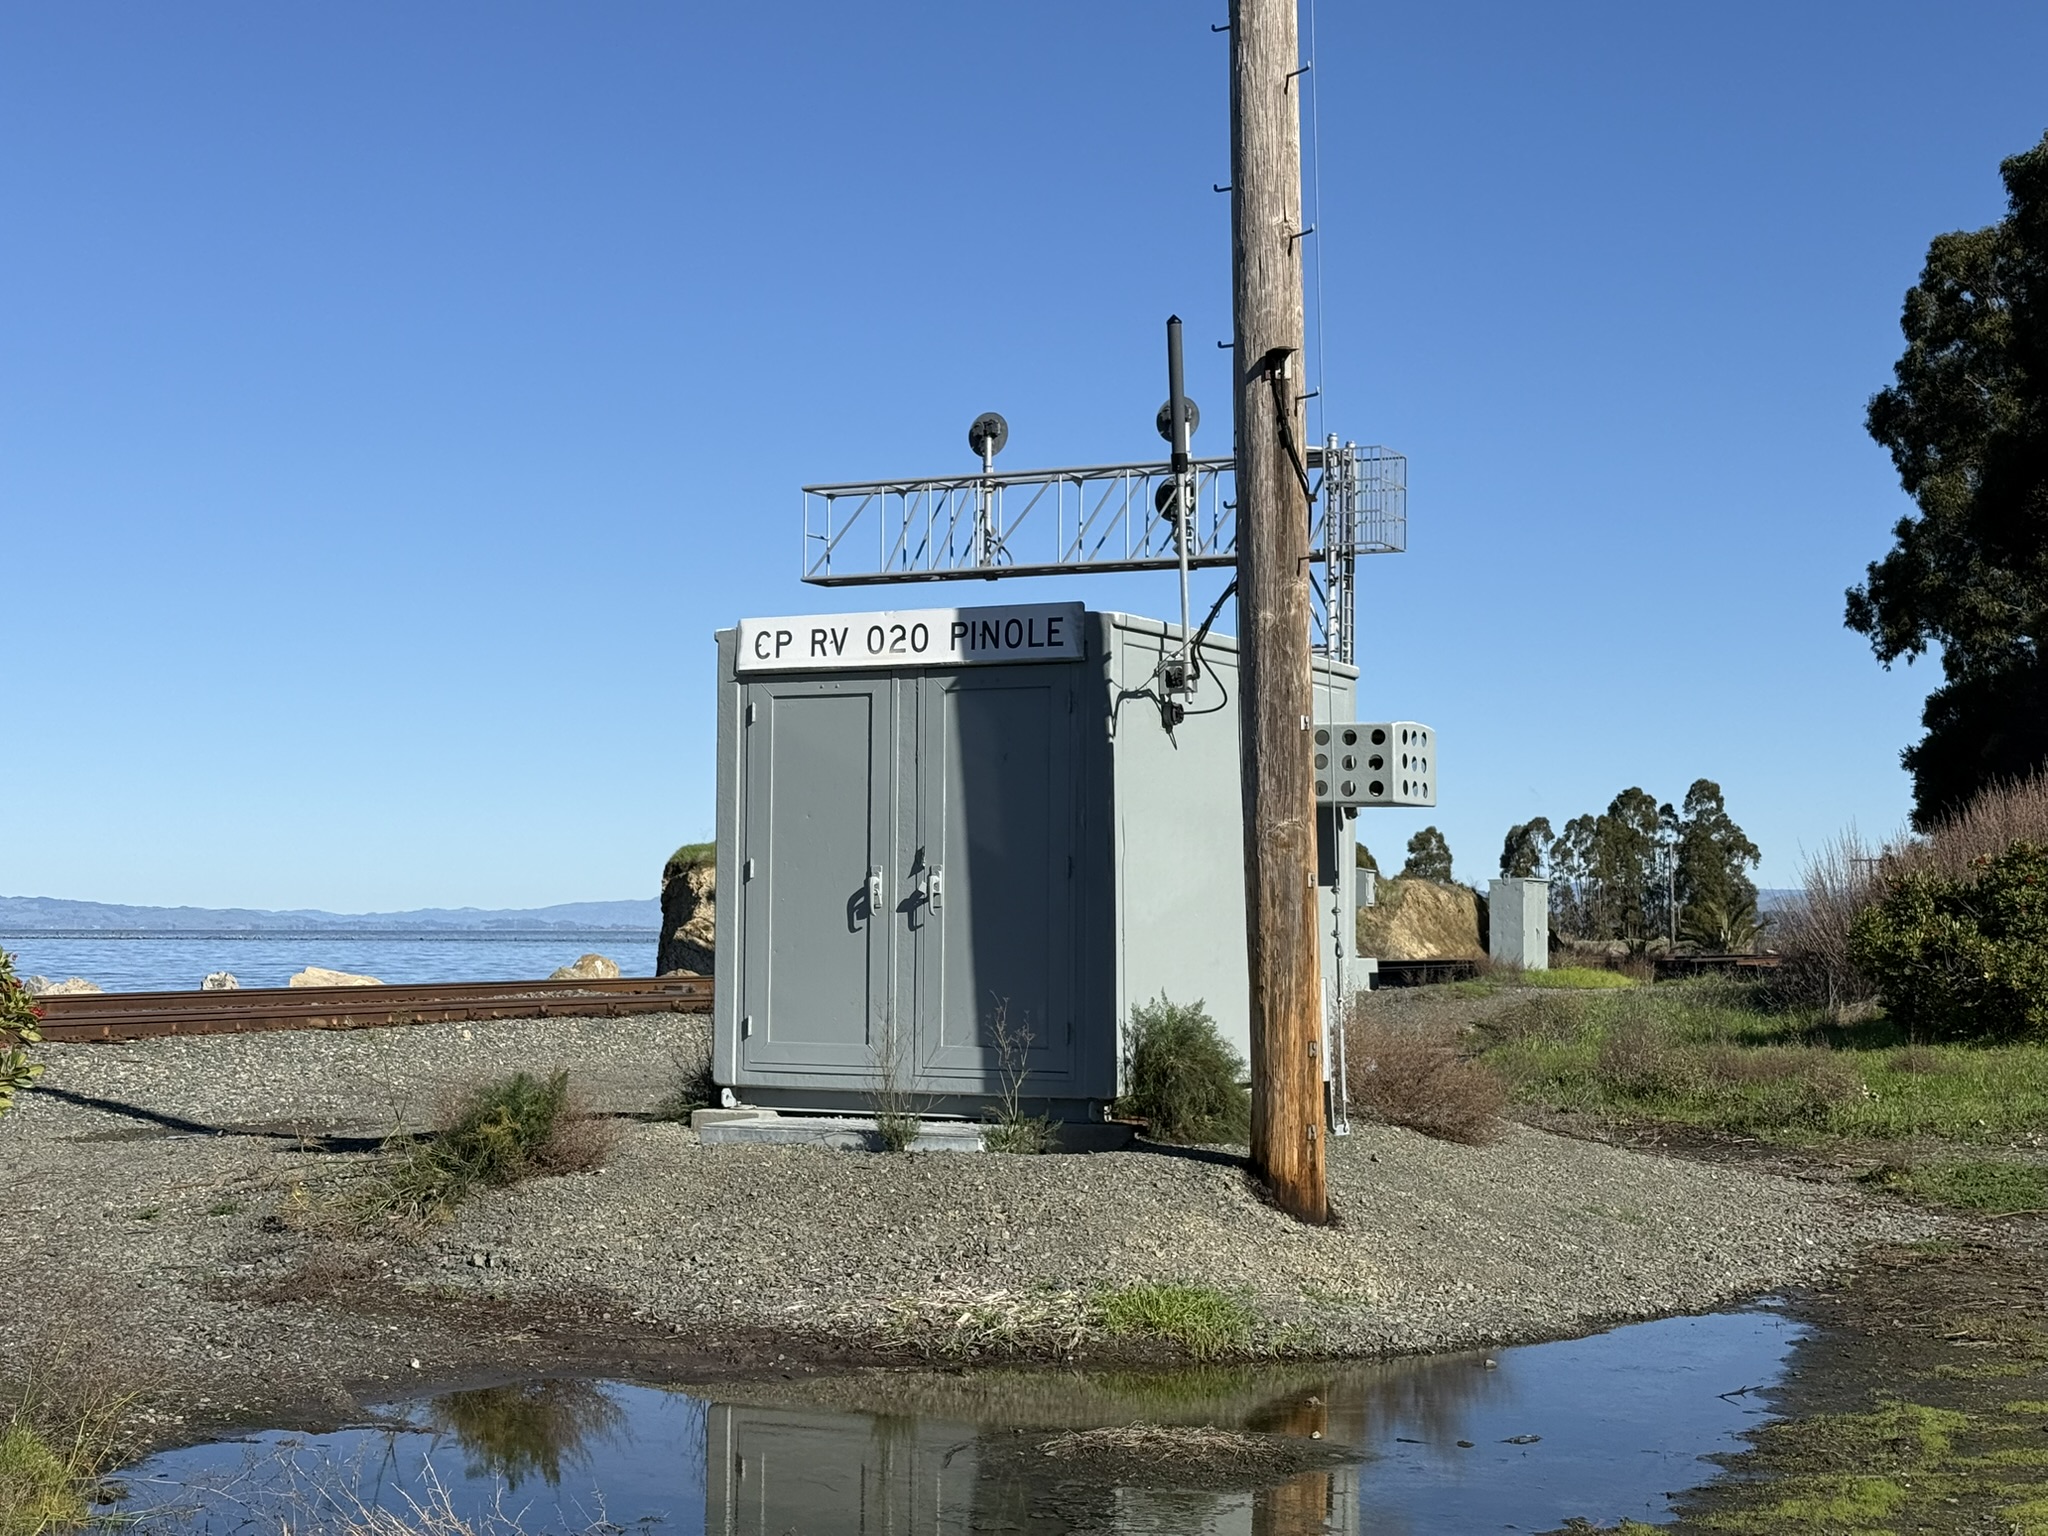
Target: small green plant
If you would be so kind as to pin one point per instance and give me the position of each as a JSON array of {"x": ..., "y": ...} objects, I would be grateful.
[
  {"x": 897, "y": 1130},
  {"x": 19, "y": 1017},
  {"x": 1205, "y": 1322},
  {"x": 494, "y": 1135},
  {"x": 691, "y": 1088},
  {"x": 1013, "y": 1130},
  {"x": 225, "y": 1208},
  {"x": 897, "y": 1105},
  {"x": 1962, "y": 959},
  {"x": 1180, "y": 1077},
  {"x": 1994, "y": 1188}
]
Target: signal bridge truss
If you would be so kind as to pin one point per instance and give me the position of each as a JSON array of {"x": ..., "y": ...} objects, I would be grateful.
[{"x": 1105, "y": 517}]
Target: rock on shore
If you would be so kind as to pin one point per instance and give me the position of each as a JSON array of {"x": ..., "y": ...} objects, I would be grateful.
[
  {"x": 71, "y": 986},
  {"x": 588, "y": 968},
  {"x": 320, "y": 976}
]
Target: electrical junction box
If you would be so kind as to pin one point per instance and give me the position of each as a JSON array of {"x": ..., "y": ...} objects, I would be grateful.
[
  {"x": 1389, "y": 762},
  {"x": 957, "y": 847}
]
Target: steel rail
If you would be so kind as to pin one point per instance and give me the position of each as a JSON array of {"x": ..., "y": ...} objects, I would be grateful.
[{"x": 111, "y": 1016}]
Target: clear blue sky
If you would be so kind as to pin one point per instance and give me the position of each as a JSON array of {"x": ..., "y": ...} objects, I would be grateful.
[{"x": 394, "y": 398}]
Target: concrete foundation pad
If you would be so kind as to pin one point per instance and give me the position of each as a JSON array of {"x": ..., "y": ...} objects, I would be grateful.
[{"x": 857, "y": 1133}]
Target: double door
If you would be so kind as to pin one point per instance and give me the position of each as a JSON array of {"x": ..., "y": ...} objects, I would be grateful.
[{"x": 906, "y": 852}]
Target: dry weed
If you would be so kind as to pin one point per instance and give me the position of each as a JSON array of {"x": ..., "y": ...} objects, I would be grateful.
[
  {"x": 1544, "y": 1020},
  {"x": 1638, "y": 1061},
  {"x": 1422, "y": 1082},
  {"x": 959, "y": 1323},
  {"x": 1918, "y": 1060}
]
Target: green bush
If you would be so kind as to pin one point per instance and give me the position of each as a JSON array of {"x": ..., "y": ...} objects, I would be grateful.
[
  {"x": 1181, "y": 1079},
  {"x": 493, "y": 1136},
  {"x": 18, "y": 1019},
  {"x": 1962, "y": 959}
]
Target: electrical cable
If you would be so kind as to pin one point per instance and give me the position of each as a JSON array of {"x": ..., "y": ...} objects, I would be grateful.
[{"x": 1195, "y": 649}]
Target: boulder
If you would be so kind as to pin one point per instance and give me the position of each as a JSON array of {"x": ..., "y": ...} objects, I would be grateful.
[
  {"x": 220, "y": 981},
  {"x": 589, "y": 968},
  {"x": 1421, "y": 920},
  {"x": 689, "y": 912},
  {"x": 320, "y": 976},
  {"x": 72, "y": 986}
]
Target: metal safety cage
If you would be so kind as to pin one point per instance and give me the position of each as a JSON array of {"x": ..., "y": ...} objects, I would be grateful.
[{"x": 1360, "y": 508}]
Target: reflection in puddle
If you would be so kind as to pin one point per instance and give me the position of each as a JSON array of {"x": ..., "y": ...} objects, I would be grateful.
[{"x": 1600, "y": 1428}]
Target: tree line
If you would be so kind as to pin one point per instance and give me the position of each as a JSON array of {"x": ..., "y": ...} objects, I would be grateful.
[{"x": 1637, "y": 871}]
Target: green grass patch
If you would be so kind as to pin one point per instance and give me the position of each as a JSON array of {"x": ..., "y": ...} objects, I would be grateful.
[
  {"x": 1712, "y": 1052},
  {"x": 1585, "y": 978},
  {"x": 54, "y": 1446},
  {"x": 39, "y": 1489},
  {"x": 1994, "y": 1188},
  {"x": 1205, "y": 1322}
]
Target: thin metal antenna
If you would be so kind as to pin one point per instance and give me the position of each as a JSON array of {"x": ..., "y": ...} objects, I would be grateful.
[{"x": 1183, "y": 490}]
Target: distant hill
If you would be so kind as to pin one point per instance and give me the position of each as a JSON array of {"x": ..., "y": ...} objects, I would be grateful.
[{"x": 43, "y": 914}]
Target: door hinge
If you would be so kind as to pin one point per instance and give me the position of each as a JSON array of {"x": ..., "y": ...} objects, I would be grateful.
[
  {"x": 747, "y": 870},
  {"x": 751, "y": 710},
  {"x": 746, "y": 1025}
]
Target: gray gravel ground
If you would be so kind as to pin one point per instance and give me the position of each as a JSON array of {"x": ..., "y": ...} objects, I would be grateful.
[{"x": 215, "y": 1263}]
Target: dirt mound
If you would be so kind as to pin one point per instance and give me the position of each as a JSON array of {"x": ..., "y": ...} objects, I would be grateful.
[{"x": 1421, "y": 920}]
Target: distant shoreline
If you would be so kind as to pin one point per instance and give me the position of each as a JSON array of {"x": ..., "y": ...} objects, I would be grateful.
[{"x": 462, "y": 935}]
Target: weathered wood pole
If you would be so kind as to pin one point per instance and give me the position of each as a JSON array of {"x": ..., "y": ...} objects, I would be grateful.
[{"x": 1275, "y": 697}]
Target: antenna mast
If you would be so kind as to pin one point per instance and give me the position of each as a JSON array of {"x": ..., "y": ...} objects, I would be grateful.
[{"x": 1276, "y": 705}]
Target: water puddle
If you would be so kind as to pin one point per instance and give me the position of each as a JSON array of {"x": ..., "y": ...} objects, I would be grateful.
[{"x": 1597, "y": 1428}]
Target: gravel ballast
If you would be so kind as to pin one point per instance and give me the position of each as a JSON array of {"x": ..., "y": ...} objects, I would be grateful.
[{"x": 218, "y": 1265}]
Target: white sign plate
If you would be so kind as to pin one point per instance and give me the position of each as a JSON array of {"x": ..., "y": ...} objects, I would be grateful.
[{"x": 912, "y": 637}]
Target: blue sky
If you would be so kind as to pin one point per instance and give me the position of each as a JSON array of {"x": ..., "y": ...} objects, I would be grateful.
[{"x": 394, "y": 398}]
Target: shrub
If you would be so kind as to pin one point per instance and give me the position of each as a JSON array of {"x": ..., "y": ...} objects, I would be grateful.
[
  {"x": 1180, "y": 1077},
  {"x": 1421, "y": 1082},
  {"x": 1962, "y": 959},
  {"x": 18, "y": 1019},
  {"x": 492, "y": 1136}
]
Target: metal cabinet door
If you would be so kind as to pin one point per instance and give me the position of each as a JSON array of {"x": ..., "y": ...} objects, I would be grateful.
[
  {"x": 815, "y": 873},
  {"x": 994, "y": 937}
]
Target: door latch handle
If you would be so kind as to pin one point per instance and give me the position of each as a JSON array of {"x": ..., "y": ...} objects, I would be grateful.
[
  {"x": 935, "y": 887},
  {"x": 874, "y": 891}
]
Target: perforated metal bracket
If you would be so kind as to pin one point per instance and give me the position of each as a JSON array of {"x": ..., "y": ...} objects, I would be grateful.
[{"x": 1367, "y": 763}]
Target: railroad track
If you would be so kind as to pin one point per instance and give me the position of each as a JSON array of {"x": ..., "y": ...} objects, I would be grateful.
[{"x": 146, "y": 1015}]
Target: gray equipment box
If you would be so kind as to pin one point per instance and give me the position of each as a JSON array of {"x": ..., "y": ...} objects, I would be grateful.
[{"x": 958, "y": 845}]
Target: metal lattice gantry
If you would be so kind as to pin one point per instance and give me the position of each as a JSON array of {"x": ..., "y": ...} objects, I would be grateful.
[
  {"x": 1038, "y": 522},
  {"x": 1104, "y": 517}
]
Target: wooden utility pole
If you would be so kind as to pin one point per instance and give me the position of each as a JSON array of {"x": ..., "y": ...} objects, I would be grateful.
[{"x": 1275, "y": 697}]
